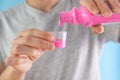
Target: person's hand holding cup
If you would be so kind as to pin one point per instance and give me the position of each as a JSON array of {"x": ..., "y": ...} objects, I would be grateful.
[{"x": 30, "y": 45}]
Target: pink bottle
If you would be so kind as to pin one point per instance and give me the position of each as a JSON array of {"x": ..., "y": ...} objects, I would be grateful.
[{"x": 84, "y": 17}]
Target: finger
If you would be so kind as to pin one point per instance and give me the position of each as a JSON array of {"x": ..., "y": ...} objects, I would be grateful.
[
  {"x": 15, "y": 61},
  {"x": 35, "y": 43},
  {"x": 31, "y": 58},
  {"x": 98, "y": 29},
  {"x": 104, "y": 9},
  {"x": 37, "y": 33},
  {"x": 90, "y": 5},
  {"x": 115, "y": 5},
  {"x": 34, "y": 58},
  {"x": 25, "y": 50}
]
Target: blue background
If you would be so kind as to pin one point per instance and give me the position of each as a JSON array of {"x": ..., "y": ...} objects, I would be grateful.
[
  {"x": 110, "y": 58},
  {"x": 5, "y": 4},
  {"x": 110, "y": 61}
]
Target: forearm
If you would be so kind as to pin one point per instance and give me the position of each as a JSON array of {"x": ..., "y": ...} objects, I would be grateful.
[
  {"x": 2, "y": 68},
  {"x": 11, "y": 74}
]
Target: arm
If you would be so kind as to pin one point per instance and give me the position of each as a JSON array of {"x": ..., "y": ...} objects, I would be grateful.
[{"x": 2, "y": 67}]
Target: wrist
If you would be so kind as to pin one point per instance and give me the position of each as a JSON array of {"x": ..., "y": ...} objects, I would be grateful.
[
  {"x": 16, "y": 73},
  {"x": 11, "y": 74}
]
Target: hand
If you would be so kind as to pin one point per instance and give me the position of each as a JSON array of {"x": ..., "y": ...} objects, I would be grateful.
[
  {"x": 28, "y": 47},
  {"x": 101, "y": 6}
]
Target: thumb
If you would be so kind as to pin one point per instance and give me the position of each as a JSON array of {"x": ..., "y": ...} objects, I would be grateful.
[
  {"x": 97, "y": 29},
  {"x": 12, "y": 61}
]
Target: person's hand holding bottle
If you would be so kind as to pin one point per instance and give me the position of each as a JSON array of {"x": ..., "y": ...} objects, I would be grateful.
[{"x": 101, "y": 7}]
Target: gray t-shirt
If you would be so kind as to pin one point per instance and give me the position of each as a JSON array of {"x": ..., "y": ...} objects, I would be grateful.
[{"x": 79, "y": 60}]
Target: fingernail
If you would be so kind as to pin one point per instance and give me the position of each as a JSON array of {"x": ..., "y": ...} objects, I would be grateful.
[
  {"x": 23, "y": 60},
  {"x": 117, "y": 8},
  {"x": 37, "y": 53},
  {"x": 95, "y": 11},
  {"x": 48, "y": 44},
  {"x": 106, "y": 14}
]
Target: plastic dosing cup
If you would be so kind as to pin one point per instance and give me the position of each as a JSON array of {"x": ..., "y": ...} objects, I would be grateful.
[{"x": 59, "y": 39}]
